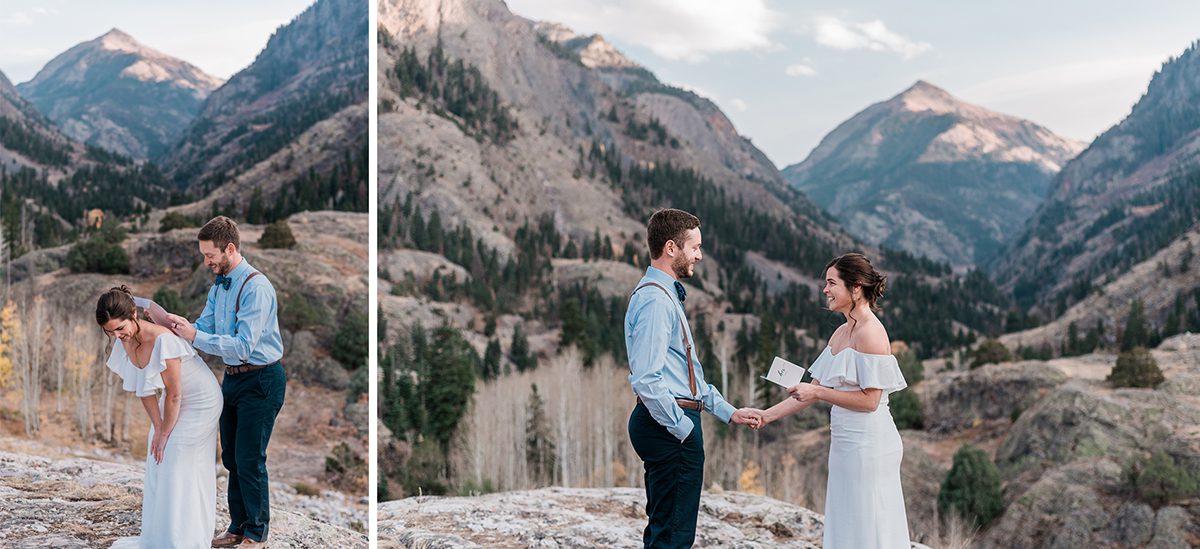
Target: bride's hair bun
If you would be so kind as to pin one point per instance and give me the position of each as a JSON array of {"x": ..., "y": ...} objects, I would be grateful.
[{"x": 856, "y": 270}]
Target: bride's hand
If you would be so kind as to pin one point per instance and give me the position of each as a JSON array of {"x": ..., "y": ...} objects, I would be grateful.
[
  {"x": 159, "y": 445},
  {"x": 805, "y": 392}
]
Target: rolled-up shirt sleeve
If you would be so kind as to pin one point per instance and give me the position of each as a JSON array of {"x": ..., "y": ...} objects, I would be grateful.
[
  {"x": 252, "y": 320},
  {"x": 652, "y": 327}
]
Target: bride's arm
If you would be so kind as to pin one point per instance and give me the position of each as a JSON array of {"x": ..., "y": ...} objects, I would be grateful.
[
  {"x": 171, "y": 402},
  {"x": 174, "y": 398},
  {"x": 785, "y": 408},
  {"x": 865, "y": 400},
  {"x": 150, "y": 403}
]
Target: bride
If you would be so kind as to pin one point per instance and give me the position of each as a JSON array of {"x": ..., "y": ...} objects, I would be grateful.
[
  {"x": 179, "y": 499},
  {"x": 864, "y": 504}
]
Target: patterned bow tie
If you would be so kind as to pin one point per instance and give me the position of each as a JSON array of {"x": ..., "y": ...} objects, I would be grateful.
[
  {"x": 223, "y": 281},
  {"x": 679, "y": 291}
]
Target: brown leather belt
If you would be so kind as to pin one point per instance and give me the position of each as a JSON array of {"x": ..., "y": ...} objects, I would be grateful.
[
  {"x": 234, "y": 370},
  {"x": 685, "y": 403}
]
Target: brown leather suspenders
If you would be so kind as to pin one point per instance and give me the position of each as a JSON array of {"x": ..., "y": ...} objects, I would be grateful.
[
  {"x": 687, "y": 345},
  {"x": 237, "y": 304}
]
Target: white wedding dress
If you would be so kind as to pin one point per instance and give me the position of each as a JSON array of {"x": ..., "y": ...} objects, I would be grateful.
[
  {"x": 179, "y": 499},
  {"x": 864, "y": 504}
]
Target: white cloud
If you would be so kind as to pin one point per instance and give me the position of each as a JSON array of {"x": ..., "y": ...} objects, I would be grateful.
[
  {"x": 18, "y": 18},
  {"x": 835, "y": 33},
  {"x": 800, "y": 69},
  {"x": 688, "y": 30},
  {"x": 739, "y": 105}
]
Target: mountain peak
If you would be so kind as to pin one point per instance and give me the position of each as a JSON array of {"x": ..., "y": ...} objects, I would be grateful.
[
  {"x": 598, "y": 52},
  {"x": 78, "y": 90},
  {"x": 118, "y": 40},
  {"x": 923, "y": 96},
  {"x": 593, "y": 50}
]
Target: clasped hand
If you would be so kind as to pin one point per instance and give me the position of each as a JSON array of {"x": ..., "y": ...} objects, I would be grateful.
[{"x": 751, "y": 417}]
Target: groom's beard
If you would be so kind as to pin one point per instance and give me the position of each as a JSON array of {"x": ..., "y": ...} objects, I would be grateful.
[
  {"x": 223, "y": 267},
  {"x": 682, "y": 267}
]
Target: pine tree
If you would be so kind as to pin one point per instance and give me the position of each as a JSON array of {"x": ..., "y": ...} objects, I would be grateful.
[
  {"x": 1136, "y": 368},
  {"x": 254, "y": 212},
  {"x": 539, "y": 446},
  {"x": 491, "y": 360},
  {"x": 971, "y": 488},
  {"x": 277, "y": 235},
  {"x": 1137, "y": 328},
  {"x": 519, "y": 352}
]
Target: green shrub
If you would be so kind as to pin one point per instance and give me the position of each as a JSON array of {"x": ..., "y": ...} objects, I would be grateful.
[
  {"x": 990, "y": 352},
  {"x": 971, "y": 489},
  {"x": 910, "y": 366},
  {"x": 358, "y": 385},
  {"x": 100, "y": 253},
  {"x": 1158, "y": 480},
  {"x": 277, "y": 235},
  {"x": 424, "y": 473},
  {"x": 299, "y": 312},
  {"x": 1136, "y": 368},
  {"x": 351, "y": 341},
  {"x": 174, "y": 220},
  {"x": 169, "y": 300},
  {"x": 906, "y": 410}
]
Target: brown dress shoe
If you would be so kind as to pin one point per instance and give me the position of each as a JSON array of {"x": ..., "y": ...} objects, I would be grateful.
[
  {"x": 227, "y": 540},
  {"x": 251, "y": 544}
]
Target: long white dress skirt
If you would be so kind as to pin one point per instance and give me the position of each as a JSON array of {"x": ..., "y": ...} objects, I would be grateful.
[
  {"x": 864, "y": 504},
  {"x": 179, "y": 498}
]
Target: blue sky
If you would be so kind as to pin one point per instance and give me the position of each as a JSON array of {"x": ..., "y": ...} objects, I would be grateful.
[
  {"x": 787, "y": 73},
  {"x": 219, "y": 36}
]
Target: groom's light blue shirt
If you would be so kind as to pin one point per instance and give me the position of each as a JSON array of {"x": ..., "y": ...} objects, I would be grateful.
[
  {"x": 253, "y": 336},
  {"x": 657, "y": 359}
]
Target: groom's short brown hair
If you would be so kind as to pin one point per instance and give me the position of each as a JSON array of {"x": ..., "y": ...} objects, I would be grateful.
[
  {"x": 668, "y": 224},
  {"x": 222, "y": 232}
]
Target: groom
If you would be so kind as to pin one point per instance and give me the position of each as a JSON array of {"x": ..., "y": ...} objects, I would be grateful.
[
  {"x": 240, "y": 324},
  {"x": 666, "y": 376}
]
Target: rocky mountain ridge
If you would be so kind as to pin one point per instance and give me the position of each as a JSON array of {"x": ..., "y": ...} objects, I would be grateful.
[
  {"x": 1129, "y": 194},
  {"x": 120, "y": 95},
  {"x": 933, "y": 175}
]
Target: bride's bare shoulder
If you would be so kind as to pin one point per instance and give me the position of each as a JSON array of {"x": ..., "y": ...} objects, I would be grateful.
[{"x": 872, "y": 338}]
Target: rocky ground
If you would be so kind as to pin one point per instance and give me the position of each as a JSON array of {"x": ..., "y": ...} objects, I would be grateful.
[
  {"x": 566, "y": 517},
  {"x": 50, "y": 498}
]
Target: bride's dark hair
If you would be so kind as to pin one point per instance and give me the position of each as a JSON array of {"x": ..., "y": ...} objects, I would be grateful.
[
  {"x": 856, "y": 270},
  {"x": 117, "y": 304}
]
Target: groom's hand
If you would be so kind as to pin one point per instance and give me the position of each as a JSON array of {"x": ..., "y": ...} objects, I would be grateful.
[
  {"x": 182, "y": 327},
  {"x": 748, "y": 416}
]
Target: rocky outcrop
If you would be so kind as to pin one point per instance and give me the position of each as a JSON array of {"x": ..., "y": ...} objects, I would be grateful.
[
  {"x": 566, "y": 517},
  {"x": 958, "y": 400},
  {"x": 77, "y": 502},
  {"x": 1063, "y": 461}
]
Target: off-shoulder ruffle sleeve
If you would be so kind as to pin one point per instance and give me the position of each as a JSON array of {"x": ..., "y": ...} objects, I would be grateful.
[
  {"x": 139, "y": 381},
  {"x": 172, "y": 346},
  {"x": 851, "y": 368}
]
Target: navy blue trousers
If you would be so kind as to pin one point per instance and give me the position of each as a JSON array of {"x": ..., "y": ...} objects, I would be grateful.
[
  {"x": 674, "y": 478},
  {"x": 252, "y": 400}
]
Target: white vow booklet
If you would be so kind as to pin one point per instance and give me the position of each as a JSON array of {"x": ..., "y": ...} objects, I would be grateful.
[{"x": 784, "y": 373}]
